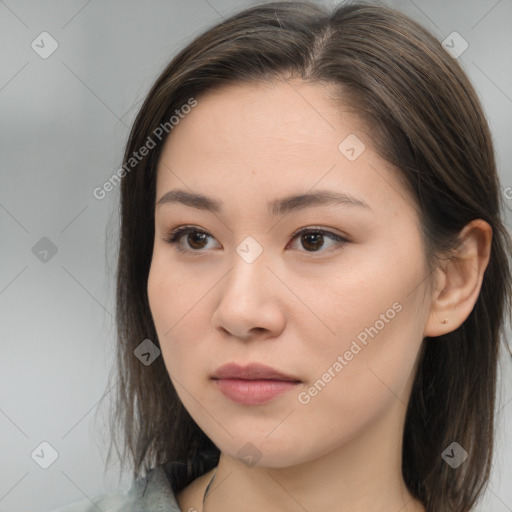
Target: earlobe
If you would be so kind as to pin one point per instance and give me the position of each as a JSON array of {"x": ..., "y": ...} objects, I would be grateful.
[{"x": 459, "y": 282}]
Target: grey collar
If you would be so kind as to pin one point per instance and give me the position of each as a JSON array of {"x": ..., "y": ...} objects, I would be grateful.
[
  {"x": 153, "y": 493},
  {"x": 156, "y": 492}
]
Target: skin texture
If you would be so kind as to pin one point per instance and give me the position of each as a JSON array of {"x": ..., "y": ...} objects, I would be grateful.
[{"x": 295, "y": 309}]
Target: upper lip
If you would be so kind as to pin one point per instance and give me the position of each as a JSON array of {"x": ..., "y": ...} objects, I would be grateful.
[{"x": 252, "y": 371}]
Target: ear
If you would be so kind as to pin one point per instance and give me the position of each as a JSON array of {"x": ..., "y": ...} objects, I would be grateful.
[{"x": 458, "y": 283}]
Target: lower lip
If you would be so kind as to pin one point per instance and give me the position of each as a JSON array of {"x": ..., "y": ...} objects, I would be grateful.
[{"x": 253, "y": 392}]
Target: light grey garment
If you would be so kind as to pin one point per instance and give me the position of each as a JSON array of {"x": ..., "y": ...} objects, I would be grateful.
[{"x": 153, "y": 493}]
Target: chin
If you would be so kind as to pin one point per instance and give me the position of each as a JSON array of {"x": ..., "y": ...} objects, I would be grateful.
[{"x": 260, "y": 451}]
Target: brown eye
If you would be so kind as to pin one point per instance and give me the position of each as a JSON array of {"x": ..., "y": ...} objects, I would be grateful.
[
  {"x": 314, "y": 239},
  {"x": 196, "y": 239}
]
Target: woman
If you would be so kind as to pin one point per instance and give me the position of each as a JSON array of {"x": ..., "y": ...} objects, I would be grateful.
[{"x": 313, "y": 273}]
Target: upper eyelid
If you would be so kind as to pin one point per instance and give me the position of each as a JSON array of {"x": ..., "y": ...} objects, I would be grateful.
[
  {"x": 180, "y": 231},
  {"x": 191, "y": 227}
]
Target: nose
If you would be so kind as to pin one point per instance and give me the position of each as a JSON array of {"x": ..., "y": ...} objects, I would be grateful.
[{"x": 250, "y": 301}]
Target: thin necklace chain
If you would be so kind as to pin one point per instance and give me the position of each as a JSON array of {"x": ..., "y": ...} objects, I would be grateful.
[{"x": 208, "y": 488}]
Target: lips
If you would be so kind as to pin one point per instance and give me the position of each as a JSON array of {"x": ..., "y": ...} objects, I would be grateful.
[
  {"x": 253, "y": 371},
  {"x": 253, "y": 384}
]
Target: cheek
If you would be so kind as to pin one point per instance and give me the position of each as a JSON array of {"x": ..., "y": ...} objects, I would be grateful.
[
  {"x": 347, "y": 394},
  {"x": 370, "y": 357},
  {"x": 176, "y": 305},
  {"x": 358, "y": 303}
]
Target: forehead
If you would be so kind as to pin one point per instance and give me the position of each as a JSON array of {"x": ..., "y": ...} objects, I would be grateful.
[
  {"x": 274, "y": 139},
  {"x": 261, "y": 127},
  {"x": 280, "y": 115}
]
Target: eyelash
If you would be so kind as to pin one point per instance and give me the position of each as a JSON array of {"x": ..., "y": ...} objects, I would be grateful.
[{"x": 175, "y": 235}]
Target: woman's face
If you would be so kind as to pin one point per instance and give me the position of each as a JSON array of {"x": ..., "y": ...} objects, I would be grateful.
[{"x": 340, "y": 310}]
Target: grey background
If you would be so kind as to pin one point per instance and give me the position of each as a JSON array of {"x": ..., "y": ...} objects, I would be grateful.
[{"x": 64, "y": 123}]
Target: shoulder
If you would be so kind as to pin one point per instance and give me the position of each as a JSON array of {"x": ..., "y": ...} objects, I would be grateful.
[{"x": 152, "y": 492}]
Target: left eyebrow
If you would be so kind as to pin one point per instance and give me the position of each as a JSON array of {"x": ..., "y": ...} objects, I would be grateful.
[
  {"x": 276, "y": 207},
  {"x": 320, "y": 198}
]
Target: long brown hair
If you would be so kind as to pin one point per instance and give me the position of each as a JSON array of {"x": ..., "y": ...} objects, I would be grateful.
[{"x": 425, "y": 119}]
